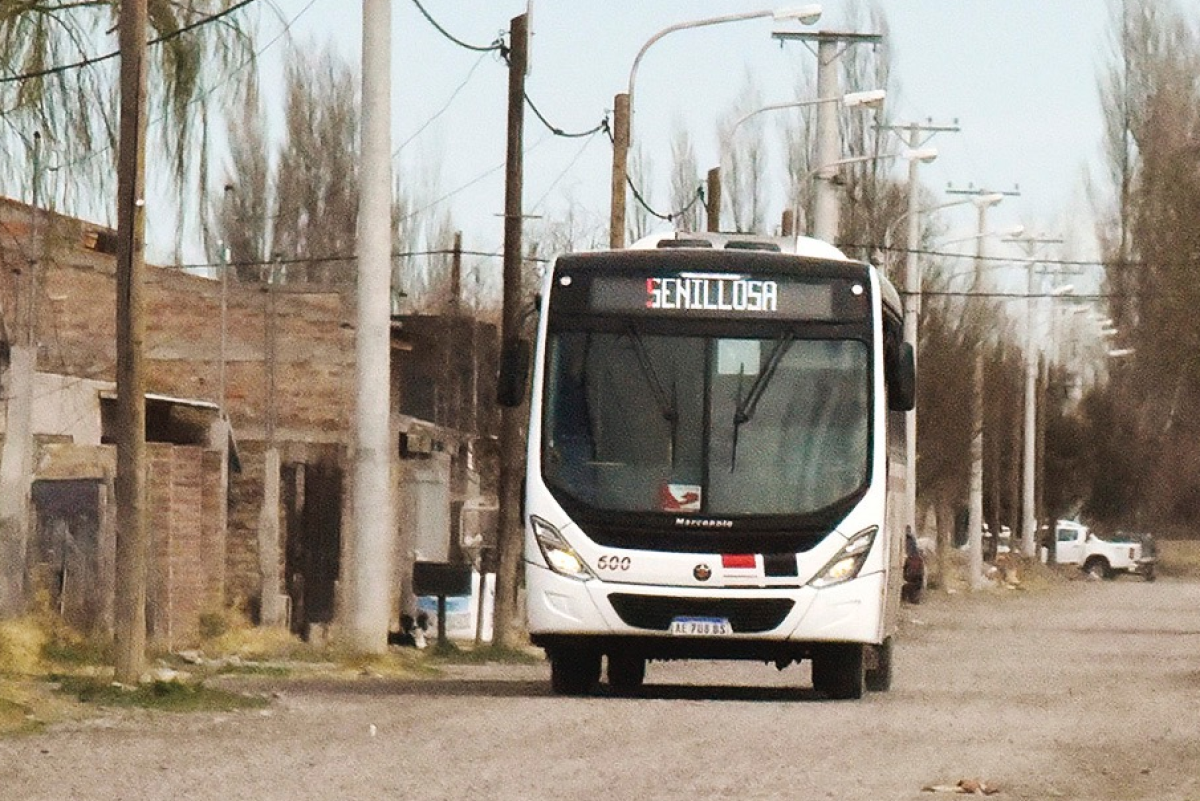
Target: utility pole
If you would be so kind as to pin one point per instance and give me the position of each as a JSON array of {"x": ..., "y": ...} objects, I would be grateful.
[
  {"x": 374, "y": 506},
  {"x": 271, "y": 607},
  {"x": 512, "y": 456},
  {"x": 620, "y": 170},
  {"x": 129, "y": 623},
  {"x": 830, "y": 45},
  {"x": 912, "y": 302},
  {"x": 983, "y": 201},
  {"x": 712, "y": 200},
  {"x": 1029, "y": 460}
]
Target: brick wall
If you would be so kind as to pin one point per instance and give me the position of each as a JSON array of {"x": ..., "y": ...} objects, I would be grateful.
[
  {"x": 181, "y": 579},
  {"x": 313, "y": 360}
]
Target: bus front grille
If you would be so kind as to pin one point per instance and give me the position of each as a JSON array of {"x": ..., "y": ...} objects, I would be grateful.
[{"x": 655, "y": 612}]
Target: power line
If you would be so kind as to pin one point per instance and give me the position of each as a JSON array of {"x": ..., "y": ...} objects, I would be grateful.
[
  {"x": 449, "y": 102},
  {"x": 107, "y": 56},
  {"x": 496, "y": 45},
  {"x": 284, "y": 262},
  {"x": 601, "y": 126}
]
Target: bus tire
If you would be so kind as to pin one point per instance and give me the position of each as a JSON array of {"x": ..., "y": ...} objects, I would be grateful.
[
  {"x": 839, "y": 670},
  {"x": 574, "y": 672},
  {"x": 878, "y": 677},
  {"x": 626, "y": 672}
]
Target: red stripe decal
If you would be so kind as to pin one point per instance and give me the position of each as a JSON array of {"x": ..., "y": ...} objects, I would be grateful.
[{"x": 738, "y": 560}]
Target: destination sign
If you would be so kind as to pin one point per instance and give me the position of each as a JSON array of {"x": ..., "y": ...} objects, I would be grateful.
[
  {"x": 729, "y": 295},
  {"x": 714, "y": 293}
]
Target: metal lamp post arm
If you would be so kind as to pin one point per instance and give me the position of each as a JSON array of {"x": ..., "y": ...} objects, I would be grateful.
[{"x": 684, "y": 26}]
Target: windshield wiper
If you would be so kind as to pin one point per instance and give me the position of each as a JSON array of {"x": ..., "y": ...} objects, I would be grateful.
[
  {"x": 666, "y": 405},
  {"x": 745, "y": 408}
]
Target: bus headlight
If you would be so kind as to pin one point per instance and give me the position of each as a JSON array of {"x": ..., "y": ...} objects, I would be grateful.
[
  {"x": 559, "y": 555},
  {"x": 848, "y": 561}
]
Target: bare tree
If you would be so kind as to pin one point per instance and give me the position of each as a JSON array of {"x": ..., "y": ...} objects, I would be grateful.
[
  {"x": 744, "y": 157},
  {"x": 1152, "y": 106},
  {"x": 302, "y": 208},
  {"x": 685, "y": 181},
  {"x": 871, "y": 197},
  {"x": 316, "y": 185},
  {"x": 237, "y": 225},
  {"x": 639, "y": 220}
]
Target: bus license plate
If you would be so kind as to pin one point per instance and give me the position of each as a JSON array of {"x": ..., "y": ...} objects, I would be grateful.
[{"x": 701, "y": 627}]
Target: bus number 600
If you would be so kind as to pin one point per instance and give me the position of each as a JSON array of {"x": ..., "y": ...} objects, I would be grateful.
[{"x": 613, "y": 563}]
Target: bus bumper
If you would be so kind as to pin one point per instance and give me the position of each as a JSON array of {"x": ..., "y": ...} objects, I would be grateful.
[{"x": 559, "y": 609}]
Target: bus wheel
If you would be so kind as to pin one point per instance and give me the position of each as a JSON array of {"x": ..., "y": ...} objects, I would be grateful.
[
  {"x": 838, "y": 670},
  {"x": 626, "y": 672},
  {"x": 574, "y": 672},
  {"x": 879, "y": 676}
]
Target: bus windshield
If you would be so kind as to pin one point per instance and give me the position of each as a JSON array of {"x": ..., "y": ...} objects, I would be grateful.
[{"x": 705, "y": 425}]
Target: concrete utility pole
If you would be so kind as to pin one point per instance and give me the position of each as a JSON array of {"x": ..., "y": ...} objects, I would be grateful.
[
  {"x": 512, "y": 456},
  {"x": 16, "y": 452},
  {"x": 830, "y": 45},
  {"x": 271, "y": 608},
  {"x": 912, "y": 302},
  {"x": 129, "y": 610},
  {"x": 1029, "y": 438},
  {"x": 983, "y": 201},
  {"x": 374, "y": 506}
]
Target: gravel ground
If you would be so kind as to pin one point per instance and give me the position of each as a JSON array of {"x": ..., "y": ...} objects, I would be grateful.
[{"x": 1082, "y": 690}]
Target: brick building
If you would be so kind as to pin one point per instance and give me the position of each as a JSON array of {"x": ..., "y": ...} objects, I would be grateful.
[{"x": 231, "y": 374}]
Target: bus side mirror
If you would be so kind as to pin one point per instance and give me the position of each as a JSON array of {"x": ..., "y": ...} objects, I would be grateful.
[
  {"x": 514, "y": 368},
  {"x": 902, "y": 380}
]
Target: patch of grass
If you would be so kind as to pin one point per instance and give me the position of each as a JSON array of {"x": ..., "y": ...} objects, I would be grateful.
[
  {"x": 21, "y": 643},
  {"x": 259, "y": 644},
  {"x": 165, "y": 696},
  {"x": 13, "y": 716},
  {"x": 1180, "y": 558},
  {"x": 275, "y": 670},
  {"x": 453, "y": 654}
]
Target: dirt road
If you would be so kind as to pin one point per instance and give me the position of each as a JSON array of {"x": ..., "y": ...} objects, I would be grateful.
[{"x": 1086, "y": 690}]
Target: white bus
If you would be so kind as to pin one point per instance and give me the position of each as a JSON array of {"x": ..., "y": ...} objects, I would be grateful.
[{"x": 715, "y": 461}]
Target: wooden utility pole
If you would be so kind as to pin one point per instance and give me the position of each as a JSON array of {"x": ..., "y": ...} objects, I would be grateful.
[
  {"x": 620, "y": 171},
  {"x": 512, "y": 456},
  {"x": 712, "y": 203},
  {"x": 132, "y": 536}
]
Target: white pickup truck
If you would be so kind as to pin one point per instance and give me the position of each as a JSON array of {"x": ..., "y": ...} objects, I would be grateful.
[{"x": 1077, "y": 545}]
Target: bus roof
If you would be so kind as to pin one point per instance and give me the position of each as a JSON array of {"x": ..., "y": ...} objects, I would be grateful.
[{"x": 798, "y": 245}]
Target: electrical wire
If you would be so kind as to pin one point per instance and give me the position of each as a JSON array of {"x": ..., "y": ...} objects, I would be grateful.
[
  {"x": 601, "y": 126},
  {"x": 497, "y": 45},
  {"x": 563, "y": 174},
  {"x": 444, "y": 108},
  {"x": 1023, "y": 260},
  {"x": 108, "y": 56}
]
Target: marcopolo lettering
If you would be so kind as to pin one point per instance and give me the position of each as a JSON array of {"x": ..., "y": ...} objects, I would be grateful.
[{"x": 712, "y": 293}]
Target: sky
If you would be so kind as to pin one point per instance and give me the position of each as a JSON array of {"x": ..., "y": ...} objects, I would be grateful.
[{"x": 1019, "y": 78}]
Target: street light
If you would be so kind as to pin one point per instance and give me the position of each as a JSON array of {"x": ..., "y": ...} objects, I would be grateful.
[
  {"x": 908, "y": 215},
  {"x": 912, "y": 306},
  {"x": 1007, "y": 233},
  {"x": 924, "y": 154},
  {"x": 868, "y": 98},
  {"x": 623, "y": 104},
  {"x": 983, "y": 201}
]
